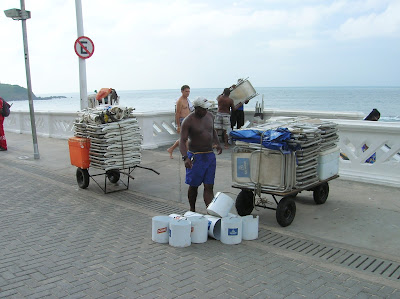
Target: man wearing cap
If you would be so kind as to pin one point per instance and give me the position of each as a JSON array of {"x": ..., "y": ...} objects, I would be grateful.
[{"x": 199, "y": 158}]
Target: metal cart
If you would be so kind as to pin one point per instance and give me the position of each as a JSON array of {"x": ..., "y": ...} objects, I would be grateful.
[
  {"x": 113, "y": 176},
  {"x": 286, "y": 206}
]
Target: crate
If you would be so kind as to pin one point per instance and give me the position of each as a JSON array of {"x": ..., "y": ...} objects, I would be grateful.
[
  {"x": 79, "y": 151},
  {"x": 328, "y": 163}
]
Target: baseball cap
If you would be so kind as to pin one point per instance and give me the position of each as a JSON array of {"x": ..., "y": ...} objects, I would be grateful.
[{"x": 202, "y": 102}]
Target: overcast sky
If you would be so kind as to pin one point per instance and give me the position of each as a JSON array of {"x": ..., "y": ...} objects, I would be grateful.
[{"x": 160, "y": 44}]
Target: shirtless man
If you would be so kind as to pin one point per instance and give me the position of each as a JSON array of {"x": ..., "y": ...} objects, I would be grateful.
[
  {"x": 182, "y": 110},
  {"x": 200, "y": 161},
  {"x": 223, "y": 117}
]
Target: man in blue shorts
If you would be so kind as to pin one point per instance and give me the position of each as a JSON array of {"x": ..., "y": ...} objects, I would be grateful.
[{"x": 199, "y": 159}]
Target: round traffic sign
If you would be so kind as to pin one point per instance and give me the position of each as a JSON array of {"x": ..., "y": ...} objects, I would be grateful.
[{"x": 84, "y": 47}]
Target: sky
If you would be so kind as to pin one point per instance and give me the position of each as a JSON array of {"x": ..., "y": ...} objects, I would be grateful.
[{"x": 161, "y": 44}]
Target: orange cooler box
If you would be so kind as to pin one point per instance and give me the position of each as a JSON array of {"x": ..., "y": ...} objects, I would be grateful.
[{"x": 79, "y": 151}]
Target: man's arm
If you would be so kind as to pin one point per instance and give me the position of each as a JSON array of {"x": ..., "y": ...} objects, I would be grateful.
[
  {"x": 216, "y": 139},
  {"x": 183, "y": 142},
  {"x": 232, "y": 105},
  {"x": 177, "y": 115}
]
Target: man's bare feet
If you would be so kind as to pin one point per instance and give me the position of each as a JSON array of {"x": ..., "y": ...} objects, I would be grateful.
[
  {"x": 226, "y": 146},
  {"x": 170, "y": 150}
]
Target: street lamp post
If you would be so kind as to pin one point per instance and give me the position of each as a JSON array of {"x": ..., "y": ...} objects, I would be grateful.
[
  {"x": 23, "y": 15},
  {"x": 82, "y": 62}
]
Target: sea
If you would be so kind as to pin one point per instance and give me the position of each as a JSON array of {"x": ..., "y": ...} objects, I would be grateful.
[{"x": 343, "y": 99}]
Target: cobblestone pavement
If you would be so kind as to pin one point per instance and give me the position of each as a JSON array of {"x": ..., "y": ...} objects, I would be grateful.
[{"x": 59, "y": 241}]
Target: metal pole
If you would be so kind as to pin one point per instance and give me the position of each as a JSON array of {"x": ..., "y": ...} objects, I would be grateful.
[
  {"x": 28, "y": 80},
  {"x": 82, "y": 62}
]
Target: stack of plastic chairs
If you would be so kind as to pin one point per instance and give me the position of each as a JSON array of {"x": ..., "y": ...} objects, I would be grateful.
[
  {"x": 293, "y": 166},
  {"x": 115, "y": 142}
]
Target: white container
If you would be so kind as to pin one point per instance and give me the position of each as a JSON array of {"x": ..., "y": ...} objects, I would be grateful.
[
  {"x": 160, "y": 227},
  {"x": 231, "y": 230},
  {"x": 220, "y": 205},
  {"x": 250, "y": 227},
  {"x": 214, "y": 227},
  {"x": 179, "y": 232},
  {"x": 199, "y": 232},
  {"x": 328, "y": 163}
]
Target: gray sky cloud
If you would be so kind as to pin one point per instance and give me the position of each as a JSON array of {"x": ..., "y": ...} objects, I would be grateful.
[{"x": 156, "y": 44}]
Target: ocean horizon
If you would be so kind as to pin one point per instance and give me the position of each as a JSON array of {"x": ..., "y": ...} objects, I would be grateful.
[{"x": 343, "y": 99}]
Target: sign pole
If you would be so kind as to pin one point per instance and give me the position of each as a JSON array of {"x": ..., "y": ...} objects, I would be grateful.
[
  {"x": 29, "y": 84},
  {"x": 82, "y": 62}
]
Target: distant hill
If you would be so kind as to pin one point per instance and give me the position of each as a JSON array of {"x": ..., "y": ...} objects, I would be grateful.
[
  {"x": 17, "y": 93},
  {"x": 14, "y": 92}
]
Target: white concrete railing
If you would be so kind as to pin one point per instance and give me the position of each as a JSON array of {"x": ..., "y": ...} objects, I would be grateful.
[
  {"x": 382, "y": 138},
  {"x": 158, "y": 130}
]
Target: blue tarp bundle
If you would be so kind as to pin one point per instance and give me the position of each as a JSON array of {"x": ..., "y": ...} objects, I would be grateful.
[{"x": 271, "y": 139}]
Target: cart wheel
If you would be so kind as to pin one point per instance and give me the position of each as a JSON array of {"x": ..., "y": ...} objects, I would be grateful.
[
  {"x": 320, "y": 193},
  {"x": 82, "y": 177},
  {"x": 244, "y": 202},
  {"x": 113, "y": 175},
  {"x": 285, "y": 211}
]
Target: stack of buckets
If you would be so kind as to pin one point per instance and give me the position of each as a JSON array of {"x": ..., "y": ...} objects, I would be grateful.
[{"x": 182, "y": 230}]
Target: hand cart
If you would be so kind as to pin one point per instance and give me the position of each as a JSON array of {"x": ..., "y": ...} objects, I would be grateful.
[
  {"x": 79, "y": 155},
  {"x": 113, "y": 175},
  {"x": 286, "y": 207}
]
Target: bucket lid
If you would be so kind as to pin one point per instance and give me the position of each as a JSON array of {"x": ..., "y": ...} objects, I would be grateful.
[{"x": 180, "y": 222}]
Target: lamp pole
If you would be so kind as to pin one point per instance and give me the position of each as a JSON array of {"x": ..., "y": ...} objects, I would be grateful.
[
  {"x": 23, "y": 15},
  {"x": 82, "y": 62}
]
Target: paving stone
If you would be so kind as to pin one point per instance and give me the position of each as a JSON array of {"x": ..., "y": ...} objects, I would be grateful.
[{"x": 82, "y": 243}]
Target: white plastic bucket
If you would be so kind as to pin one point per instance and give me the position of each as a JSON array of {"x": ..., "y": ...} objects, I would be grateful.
[
  {"x": 220, "y": 205},
  {"x": 199, "y": 228},
  {"x": 179, "y": 232},
  {"x": 214, "y": 227},
  {"x": 160, "y": 227},
  {"x": 250, "y": 227},
  {"x": 231, "y": 230}
]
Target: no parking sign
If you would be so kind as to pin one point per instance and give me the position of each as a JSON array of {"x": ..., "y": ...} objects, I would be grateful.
[{"x": 84, "y": 47}]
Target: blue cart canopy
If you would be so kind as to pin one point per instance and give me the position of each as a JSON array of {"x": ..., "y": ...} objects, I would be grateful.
[{"x": 272, "y": 139}]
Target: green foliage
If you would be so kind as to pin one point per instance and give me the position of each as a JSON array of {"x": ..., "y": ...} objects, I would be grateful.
[{"x": 14, "y": 93}]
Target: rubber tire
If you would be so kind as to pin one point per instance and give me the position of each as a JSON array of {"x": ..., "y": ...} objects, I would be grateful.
[
  {"x": 244, "y": 202},
  {"x": 286, "y": 211},
  {"x": 320, "y": 193},
  {"x": 82, "y": 177},
  {"x": 113, "y": 175}
]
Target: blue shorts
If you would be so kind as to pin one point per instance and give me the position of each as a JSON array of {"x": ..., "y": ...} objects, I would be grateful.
[{"x": 203, "y": 169}]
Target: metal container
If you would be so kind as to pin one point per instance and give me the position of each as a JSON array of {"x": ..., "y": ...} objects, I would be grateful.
[{"x": 242, "y": 92}]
